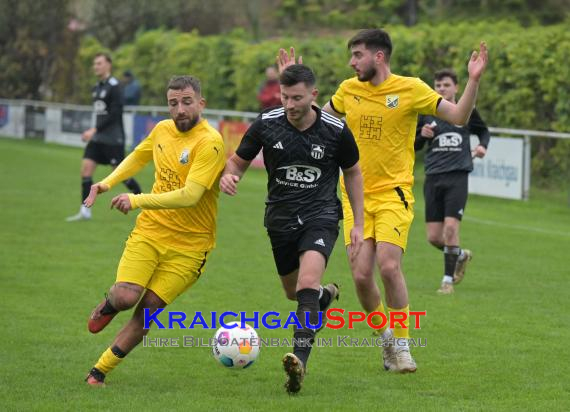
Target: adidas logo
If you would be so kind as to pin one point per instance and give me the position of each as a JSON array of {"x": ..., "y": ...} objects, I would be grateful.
[
  {"x": 320, "y": 242},
  {"x": 460, "y": 212},
  {"x": 278, "y": 145}
]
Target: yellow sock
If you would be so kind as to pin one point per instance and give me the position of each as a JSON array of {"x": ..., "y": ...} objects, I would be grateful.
[
  {"x": 399, "y": 331},
  {"x": 377, "y": 319},
  {"x": 108, "y": 361}
]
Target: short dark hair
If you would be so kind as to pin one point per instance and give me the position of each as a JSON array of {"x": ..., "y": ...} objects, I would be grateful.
[
  {"x": 297, "y": 73},
  {"x": 374, "y": 40},
  {"x": 107, "y": 57},
  {"x": 440, "y": 74},
  {"x": 183, "y": 82}
]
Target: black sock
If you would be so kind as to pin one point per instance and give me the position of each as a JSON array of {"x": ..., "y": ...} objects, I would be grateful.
[
  {"x": 133, "y": 186},
  {"x": 307, "y": 301},
  {"x": 97, "y": 374},
  {"x": 118, "y": 352},
  {"x": 86, "y": 183},
  {"x": 450, "y": 256},
  {"x": 325, "y": 300}
]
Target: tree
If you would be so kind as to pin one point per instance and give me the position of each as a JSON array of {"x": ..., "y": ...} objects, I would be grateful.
[{"x": 35, "y": 44}]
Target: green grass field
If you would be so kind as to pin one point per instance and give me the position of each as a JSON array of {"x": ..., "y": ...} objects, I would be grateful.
[{"x": 499, "y": 343}]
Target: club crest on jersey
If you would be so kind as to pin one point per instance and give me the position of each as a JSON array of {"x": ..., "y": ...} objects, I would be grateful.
[
  {"x": 317, "y": 151},
  {"x": 99, "y": 106},
  {"x": 184, "y": 157},
  {"x": 392, "y": 101}
]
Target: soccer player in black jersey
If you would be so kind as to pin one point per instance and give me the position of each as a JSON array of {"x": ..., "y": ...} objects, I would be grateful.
[
  {"x": 106, "y": 141},
  {"x": 303, "y": 151},
  {"x": 448, "y": 162}
]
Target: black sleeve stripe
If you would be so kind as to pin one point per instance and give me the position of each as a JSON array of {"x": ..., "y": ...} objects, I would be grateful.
[
  {"x": 332, "y": 105},
  {"x": 438, "y": 102}
]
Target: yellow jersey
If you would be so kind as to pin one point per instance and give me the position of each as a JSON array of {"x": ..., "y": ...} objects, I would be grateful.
[
  {"x": 383, "y": 121},
  {"x": 195, "y": 156}
]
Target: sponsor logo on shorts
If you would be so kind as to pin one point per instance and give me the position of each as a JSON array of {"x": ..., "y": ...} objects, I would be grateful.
[{"x": 320, "y": 242}]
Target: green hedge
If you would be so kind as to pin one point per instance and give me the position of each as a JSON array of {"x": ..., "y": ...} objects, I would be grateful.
[{"x": 526, "y": 84}]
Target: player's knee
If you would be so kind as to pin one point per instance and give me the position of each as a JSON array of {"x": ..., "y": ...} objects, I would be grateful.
[
  {"x": 390, "y": 269},
  {"x": 434, "y": 239},
  {"x": 124, "y": 301},
  {"x": 363, "y": 277},
  {"x": 124, "y": 296}
]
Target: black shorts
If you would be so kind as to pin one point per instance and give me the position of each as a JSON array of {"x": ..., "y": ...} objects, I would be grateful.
[
  {"x": 445, "y": 195},
  {"x": 319, "y": 235},
  {"x": 104, "y": 154}
]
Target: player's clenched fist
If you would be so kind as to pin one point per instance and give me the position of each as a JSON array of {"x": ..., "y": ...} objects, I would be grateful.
[{"x": 228, "y": 184}]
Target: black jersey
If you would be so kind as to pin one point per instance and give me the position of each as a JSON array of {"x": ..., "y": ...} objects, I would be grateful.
[
  {"x": 302, "y": 166},
  {"x": 108, "y": 107},
  {"x": 450, "y": 148}
]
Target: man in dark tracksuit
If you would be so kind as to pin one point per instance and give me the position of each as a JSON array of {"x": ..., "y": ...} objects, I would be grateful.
[
  {"x": 448, "y": 162},
  {"x": 106, "y": 141}
]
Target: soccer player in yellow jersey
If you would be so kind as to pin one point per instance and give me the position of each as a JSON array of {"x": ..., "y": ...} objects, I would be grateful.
[
  {"x": 382, "y": 109},
  {"x": 167, "y": 250}
]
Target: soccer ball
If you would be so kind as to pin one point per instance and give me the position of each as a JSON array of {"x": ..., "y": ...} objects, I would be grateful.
[{"x": 236, "y": 348}]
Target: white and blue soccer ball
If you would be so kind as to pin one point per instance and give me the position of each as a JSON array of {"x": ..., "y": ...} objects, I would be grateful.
[{"x": 236, "y": 348}]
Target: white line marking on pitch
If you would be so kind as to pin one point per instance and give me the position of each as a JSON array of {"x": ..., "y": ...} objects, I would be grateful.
[{"x": 518, "y": 227}]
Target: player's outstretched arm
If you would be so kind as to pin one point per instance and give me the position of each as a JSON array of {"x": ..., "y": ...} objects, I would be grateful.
[
  {"x": 459, "y": 113},
  {"x": 188, "y": 196},
  {"x": 204, "y": 172},
  {"x": 132, "y": 164},
  {"x": 354, "y": 189},
  {"x": 129, "y": 167},
  {"x": 234, "y": 170},
  {"x": 285, "y": 59}
]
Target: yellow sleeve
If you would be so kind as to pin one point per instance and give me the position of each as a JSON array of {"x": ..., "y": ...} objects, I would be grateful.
[
  {"x": 188, "y": 196},
  {"x": 425, "y": 99},
  {"x": 206, "y": 168},
  {"x": 208, "y": 164},
  {"x": 132, "y": 164},
  {"x": 337, "y": 101}
]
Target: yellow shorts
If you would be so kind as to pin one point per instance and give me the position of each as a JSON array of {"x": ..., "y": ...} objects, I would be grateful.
[
  {"x": 166, "y": 271},
  {"x": 388, "y": 216}
]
